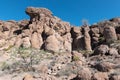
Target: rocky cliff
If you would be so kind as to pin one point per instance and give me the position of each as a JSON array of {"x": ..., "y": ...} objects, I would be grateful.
[
  {"x": 85, "y": 52},
  {"x": 48, "y": 32}
]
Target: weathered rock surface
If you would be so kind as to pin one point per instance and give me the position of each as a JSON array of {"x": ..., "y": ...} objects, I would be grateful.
[
  {"x": 101, "y": 50},
  {"x": 52, "y": 49},
  {"x": 109, "y": 34}
]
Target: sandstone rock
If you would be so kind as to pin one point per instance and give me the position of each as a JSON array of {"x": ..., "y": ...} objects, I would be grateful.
[
  {"x": 104, "y": 66},
  {"x": 26, "y": 33},
  {"x": 11, "y": 41},
  {"x": 2, "y": 42},
  {"x": 87, "y": 39},
  {"x": 84, "y": 74},
  {"x": 49, "y": 31},
  {"x": 95, "y": 30},
  {"x": 18, "y": 41},
  {"x": 118, "y": 48},
  {"x": 23, "y": 24},
  {"x": 76, "y": 56},
  {"x": 113, "y": 51},
  {"x": 26, "y": 42},
  {"x": 43, "y": 69},
  {"x": 100, "y": 76},
  {"x": 117, "y": 20},
  {"x": 115, "y": 77},
  {"x": 67, "y": 42},
  {"x": 36, "y": 41},
  {"x": 110, "y": 34},
  {"x": 28, "y": 77},
  {"x": 75, "y": 31},
  {"x": 62, "y": 27},
  {"x": 101, "y": 50},
  {"x": 37, "y": 13},
  {"x": 118, "y": 36},
  {"x": 52, "y": 44},
  {"x": 78, "y": 43}
]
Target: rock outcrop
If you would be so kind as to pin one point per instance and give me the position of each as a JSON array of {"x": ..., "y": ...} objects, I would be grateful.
[
  {"x": 52, "y": 49},
  {"x": 48, "y": 32}
]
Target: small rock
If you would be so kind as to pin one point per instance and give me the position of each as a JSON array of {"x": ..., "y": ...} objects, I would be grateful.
[
  {"x": 101, "y": 50},
  {"x": 113, "y": 51},
  {"x": 115, "y": 77},
  {"x": 100, "y": 76},
  {"x": 84, "y": 74},
  {"x": 28, "y": 77},
  {"x": 104, "y": 66}
]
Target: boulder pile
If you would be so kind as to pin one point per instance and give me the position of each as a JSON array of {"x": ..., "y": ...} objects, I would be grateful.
[
  {"x": 78, "y": 53},
  {"x": 48, "y": 32}
]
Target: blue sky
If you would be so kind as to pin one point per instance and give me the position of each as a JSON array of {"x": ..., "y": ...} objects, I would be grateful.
[{"x": 73, "y": 11}]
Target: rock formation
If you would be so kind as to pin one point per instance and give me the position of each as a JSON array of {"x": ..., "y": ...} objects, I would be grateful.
[{"x": 56, "y": 50}]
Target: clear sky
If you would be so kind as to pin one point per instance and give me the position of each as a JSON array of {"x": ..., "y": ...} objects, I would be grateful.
[{"x": 73, "y": 11}]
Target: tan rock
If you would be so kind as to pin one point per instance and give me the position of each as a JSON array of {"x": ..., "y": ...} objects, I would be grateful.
[
  {"x": 100, "y": 76},
  {"x": 28, "y": 77},
  {"x": 113, "y": 51},
  {"x": 18, "y": 41},
  {"x": 52, "y": 44},
  {"x": 78, "y": 58},
  {"x": 87, "y": 39},
  {"x": 101, "y": 50},
  {"x": 110, "y": 34},
  {"x": 36, "y": 40},
  {"x": 84, "y": 74},
  {"x": 104, "y": 66},
  {"x": 115, "y": 77},
  {"x": 26, "y": 42},
  {"x": 67, "y": 42},
  {"x": 75, "y": 31}
]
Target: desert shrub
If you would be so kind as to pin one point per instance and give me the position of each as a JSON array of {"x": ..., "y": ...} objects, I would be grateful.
[
  {"x": 9, "y": 47},
  {"x": 76, "y": 58},
  {"x": 4, "y": 66},
  {"x": 68, "y": 70},
  {"x": 24, "y": 59}
]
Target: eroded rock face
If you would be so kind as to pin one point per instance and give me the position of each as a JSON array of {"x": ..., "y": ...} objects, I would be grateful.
[
  {"x": 115, "y": 77},
  {"x": 37, "y": 13},
  {"x": 36, "y": 41},
  {"x": 37, "y": 33},
  {"x": 28, "y": 77},
  {"x": 84, "y": 74},
  {"x": 110, "y": 34},
  {"x": 100, "y": 76},
  {"x": 87, "y": 39},
  {"x": 101, "y": 50},
  {"x": 104, "y": 66},
  {"x": 52, "y": 44}
]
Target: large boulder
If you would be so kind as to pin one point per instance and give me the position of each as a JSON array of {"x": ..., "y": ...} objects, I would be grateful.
[
  {"x": 110, "y": 34},
  {"x": 100, "y": 76},
  {"x": 113, "y": 51},
  {"x": 115, "y": 77},
  {"x": 36, "y": 40},
  {"x": 104, "y": 66},
  {"x": 53, "y": 44},
  {"x": 26, "y": 42},
  {"x": 75, "y": 31},
  {"x": 37, "y": 13},
  {"x": 101, "y": 50},
  {"x": 28, "y": 77},
  {"x": 84, "y": 74}
]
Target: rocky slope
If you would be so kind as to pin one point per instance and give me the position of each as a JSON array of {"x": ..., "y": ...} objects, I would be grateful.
[{"x": 47, "y": 48}]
